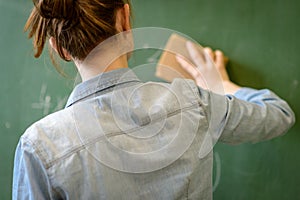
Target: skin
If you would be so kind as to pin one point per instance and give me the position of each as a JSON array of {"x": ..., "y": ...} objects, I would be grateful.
[
  {"x": 123, "y": 24},
  {"x": 206, "y": 70}
]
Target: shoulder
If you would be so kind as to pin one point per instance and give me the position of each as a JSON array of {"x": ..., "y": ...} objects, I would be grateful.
[
  {"x": 184, "y": 90},
  {"x": 51, "y": 136},
  {"x": 185, "y": 85},
  {"x": 47, "y": 125}
]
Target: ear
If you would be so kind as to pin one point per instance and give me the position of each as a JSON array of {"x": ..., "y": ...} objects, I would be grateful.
[
  {"x": 53, "y": 45},
  {"x": 123, "y": 19},
  {"x": 127, "y": 24}
]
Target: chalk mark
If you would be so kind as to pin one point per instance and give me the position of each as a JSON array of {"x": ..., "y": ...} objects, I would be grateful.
[
  {"x": 46, "y": 102},
  {"x": 155, "y": 57}
]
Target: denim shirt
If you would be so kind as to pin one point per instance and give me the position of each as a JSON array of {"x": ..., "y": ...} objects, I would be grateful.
[{"x": 120, "y": 138}]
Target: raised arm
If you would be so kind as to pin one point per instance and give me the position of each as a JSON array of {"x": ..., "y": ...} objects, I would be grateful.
[{"x": 243, "y": 114}]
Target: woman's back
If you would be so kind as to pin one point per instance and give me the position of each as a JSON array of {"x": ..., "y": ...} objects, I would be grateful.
[
  {"x": 135, "y": 140},
  {"x": 131, "y": 140}
]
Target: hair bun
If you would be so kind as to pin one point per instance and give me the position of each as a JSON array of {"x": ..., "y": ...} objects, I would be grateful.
[{"x": 56, "y": 9}]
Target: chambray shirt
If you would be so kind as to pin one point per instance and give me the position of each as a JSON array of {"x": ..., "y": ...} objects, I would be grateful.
[{"x": 120, "y": 138}]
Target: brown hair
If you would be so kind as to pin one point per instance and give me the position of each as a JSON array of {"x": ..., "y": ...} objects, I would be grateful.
[{"x": 77, "y": 26}]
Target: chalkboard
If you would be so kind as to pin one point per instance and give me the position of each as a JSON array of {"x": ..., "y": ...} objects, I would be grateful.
[{"x": 261, "y": 38}]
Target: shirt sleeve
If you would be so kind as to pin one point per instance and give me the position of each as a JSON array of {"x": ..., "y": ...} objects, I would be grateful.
[
  {"x": 248, "y": 116},
  {"x": 30, "y": 180}
]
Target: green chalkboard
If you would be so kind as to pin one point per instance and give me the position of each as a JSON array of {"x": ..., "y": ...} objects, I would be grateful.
[{"x": 261, "y": 38}]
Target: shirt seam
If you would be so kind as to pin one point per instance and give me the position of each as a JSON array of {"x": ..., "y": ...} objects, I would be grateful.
[{"x": 94, "y": 140}]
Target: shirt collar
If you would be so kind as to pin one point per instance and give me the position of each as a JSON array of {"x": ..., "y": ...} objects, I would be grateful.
[{"x": 101, "y": 83}]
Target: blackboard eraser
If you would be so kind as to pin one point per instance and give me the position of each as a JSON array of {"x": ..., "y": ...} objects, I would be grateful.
[{"x": 167, "y": 67}]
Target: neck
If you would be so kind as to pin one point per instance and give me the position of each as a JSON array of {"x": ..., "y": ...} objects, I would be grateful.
[{"x": 88, "y": 71}]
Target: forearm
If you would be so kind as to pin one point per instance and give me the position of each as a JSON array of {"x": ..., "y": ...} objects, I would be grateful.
[{"x": 256, "y": 115}]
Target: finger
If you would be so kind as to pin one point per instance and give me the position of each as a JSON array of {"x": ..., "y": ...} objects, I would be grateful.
[
  {"x": 187, "y": 67},
  {"x": 220, "y": 59},
  {"x": 209, "y": 58},
  {"x": 209, "y": 52},
  {"x": 197, "y": 58}
]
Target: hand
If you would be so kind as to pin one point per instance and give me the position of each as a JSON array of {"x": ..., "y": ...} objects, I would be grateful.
[{"x": 210, "y": 71}]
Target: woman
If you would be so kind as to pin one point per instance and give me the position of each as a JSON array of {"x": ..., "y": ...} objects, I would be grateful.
[{"x": 119, "y": 138}]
